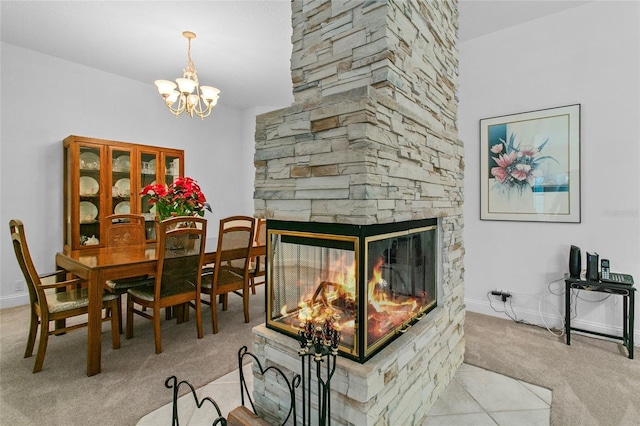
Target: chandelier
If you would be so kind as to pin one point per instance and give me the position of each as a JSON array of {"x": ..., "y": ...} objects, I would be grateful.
[{"x": 190, "y": 96}]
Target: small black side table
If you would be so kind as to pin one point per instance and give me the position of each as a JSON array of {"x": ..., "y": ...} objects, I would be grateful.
[{"x": 628, "y": 307}]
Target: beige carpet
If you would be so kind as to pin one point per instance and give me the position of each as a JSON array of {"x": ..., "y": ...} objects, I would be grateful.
[
  {"x": 593, "y": 381},
  {"x": 132, "y": 380}
]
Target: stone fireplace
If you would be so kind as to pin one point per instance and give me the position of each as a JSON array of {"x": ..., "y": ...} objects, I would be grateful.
[{"x": 370, "y": 140}]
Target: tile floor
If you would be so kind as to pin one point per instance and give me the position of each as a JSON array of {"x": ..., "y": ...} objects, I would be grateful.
[
  {"x": 479, "y": 397},
  {"x": 475, "y": 397}
]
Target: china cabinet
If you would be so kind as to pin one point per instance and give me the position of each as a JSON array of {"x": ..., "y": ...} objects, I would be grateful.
[{"x": 103, "y": 177}]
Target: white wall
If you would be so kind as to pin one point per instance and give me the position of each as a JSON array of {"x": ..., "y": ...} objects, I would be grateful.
[
  {"x": 587, "y": 55},
  {"x": 45, "y": 99}
]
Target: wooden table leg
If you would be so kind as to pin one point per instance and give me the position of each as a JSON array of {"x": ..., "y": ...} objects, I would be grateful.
[
  {"x": 181, "y": 313},
  {"x": 178, "y": 313},
  {"x": 94, "y": 332}
]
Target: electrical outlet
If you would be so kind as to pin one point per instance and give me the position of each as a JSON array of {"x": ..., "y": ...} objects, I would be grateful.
[
  {"x": 19, "y": 286},
  {"x": 502, "y": 294}
]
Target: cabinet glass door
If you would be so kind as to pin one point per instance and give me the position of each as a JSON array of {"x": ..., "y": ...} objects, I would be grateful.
[
  {"x": 148, "y": 176},
  {"x": 121, "y": 182},
  {"x": 89, "y": 195},
  {"x": 171, "y": 168}
]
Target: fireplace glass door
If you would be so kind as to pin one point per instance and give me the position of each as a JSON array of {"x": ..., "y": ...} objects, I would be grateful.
[{"x": 315, "y": 278}]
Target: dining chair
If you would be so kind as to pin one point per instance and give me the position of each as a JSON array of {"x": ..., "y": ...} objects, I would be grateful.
[
  {"x": 180, "y": 248},
  {"x": 230, "y": 273},
  {"x": 123, "y": 230},
  {"x": 54, "y": 301},
  {"x": 257, "y": 266}
]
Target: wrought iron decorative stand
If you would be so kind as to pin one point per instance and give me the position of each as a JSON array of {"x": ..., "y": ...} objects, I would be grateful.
[
  {"x": 172, "y": 382},
  {"x": 291, "y": 385},
  {"x": 319, "y": 341}
]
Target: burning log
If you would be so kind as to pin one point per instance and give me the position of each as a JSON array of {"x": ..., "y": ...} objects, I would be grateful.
[{"x": 332, "y": 296}]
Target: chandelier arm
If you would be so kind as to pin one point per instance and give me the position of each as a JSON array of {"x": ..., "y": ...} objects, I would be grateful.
[
  {"x": 201, "y": 107},
  {"x": 180, "y": 108},
  {"x": 205, "y": 114}
]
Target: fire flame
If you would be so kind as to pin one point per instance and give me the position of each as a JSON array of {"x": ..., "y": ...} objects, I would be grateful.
[
  {"x": 376, "y": 281},
  {"x": 335, "y": 298},
  {"x": 378, "y": 298}
]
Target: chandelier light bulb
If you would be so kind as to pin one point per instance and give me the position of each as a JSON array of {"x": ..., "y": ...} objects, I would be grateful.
[
  {"x": 186, "y": 85},
  {"x": 209, "y": 94},
  {"x": 173, "y": 97},
  {"x": 190, "y": 96},
  {"x": 165, "y": 87}
]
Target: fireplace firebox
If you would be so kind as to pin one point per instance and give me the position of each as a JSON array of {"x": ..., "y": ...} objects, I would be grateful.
[{"x": 372, "y": 282}]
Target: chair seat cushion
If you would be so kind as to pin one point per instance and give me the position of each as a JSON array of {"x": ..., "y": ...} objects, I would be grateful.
[
  {"x": 147, "y": 292},
  {"x": 73, "y": 299},
  {"x": 122, "y": 285}
]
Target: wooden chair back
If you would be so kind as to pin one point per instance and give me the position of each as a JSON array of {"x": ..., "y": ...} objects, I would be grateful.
[
  {"x": 181, "y": 248},
  {"x": 124, "y": 230},
  {"x": 258, "y": 263},
  {"x": 231, "y": 270},
  {"x": 261, "y": 233},
  {"x": 235, "y": 238},
  {"x": 36, "y": 293}
]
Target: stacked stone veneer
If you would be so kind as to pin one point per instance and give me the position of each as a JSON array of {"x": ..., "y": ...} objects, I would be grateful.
[{"x": 372, "y": 138}]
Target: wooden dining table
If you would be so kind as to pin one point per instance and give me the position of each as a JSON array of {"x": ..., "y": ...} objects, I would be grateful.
[{"x": 98, "y": 265}]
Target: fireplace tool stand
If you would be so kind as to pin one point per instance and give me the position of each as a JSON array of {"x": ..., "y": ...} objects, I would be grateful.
[{"x": 318, "y": 344}]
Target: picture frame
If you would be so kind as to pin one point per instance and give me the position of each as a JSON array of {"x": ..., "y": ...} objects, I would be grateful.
[{"x": 530, "y": 166}]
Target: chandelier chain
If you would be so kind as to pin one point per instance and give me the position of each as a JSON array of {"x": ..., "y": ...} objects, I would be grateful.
[{"x": 191, "y": 68}]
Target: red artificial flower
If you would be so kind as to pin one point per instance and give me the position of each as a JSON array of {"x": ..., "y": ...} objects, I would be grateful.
[{"x": 183, "y": 197}]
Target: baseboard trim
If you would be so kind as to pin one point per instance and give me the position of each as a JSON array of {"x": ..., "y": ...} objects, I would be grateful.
[
  {"x": 14, "y": 300},
  {"x": 483, "y": 307}
]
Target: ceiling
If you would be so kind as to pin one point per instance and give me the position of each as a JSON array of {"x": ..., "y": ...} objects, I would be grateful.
[{"x": 243, "y": 47}]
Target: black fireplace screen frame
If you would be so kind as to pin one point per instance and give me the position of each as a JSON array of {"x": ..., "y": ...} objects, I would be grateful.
[{"x": 357, "y": 238}]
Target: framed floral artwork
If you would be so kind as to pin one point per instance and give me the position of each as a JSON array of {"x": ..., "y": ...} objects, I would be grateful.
[{"x": 530, "y": 166}]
